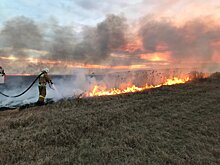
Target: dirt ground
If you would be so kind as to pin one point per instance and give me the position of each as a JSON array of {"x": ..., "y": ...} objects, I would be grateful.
[{"x": 169, "y": 125}]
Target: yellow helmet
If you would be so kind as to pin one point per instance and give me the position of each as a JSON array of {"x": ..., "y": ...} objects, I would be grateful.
[{"x": 45, "y": 70}]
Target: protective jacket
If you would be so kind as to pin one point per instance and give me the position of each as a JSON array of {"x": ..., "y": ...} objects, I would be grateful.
[
  {"x": 2, "y": 73},
  {"x": 43, "y": 80}
]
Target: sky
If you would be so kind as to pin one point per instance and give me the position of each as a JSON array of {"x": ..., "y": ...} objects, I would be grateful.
[
  {"x": 166, "y": 32},
  {"x": 90, "y": 12},
  {"x": 86, "y": 12}
]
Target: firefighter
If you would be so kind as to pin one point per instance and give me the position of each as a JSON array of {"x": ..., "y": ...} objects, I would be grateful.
[
  {"x": 2, "y": 72},
  {"x": 43, "y": 80},
  {"x": 2, "y": 76}
]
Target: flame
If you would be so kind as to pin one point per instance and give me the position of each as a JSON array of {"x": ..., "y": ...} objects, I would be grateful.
[{"x": 102, "y": 90}]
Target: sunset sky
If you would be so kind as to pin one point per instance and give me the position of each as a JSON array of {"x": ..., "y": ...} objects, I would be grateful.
[{"x": 108, "y": 33}]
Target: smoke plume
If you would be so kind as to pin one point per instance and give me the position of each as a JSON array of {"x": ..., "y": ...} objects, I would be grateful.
[
  {"x": 192, "y": 41},
  {"x": 100, "y": 41},
  {"x": 21, "y": 33},
  {"x": 109, "y": 42}
]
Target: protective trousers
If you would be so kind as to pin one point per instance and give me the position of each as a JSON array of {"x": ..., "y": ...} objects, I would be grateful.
[{"x": 42, "y": 93}]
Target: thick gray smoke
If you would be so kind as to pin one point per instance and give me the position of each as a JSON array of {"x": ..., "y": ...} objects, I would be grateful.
[
  {"x": 62, "y": 44},
  {"x": 190, "y": 41},
  {"x": 21, "y": 33},
  {"x": 100, "y": 41},
  {"x": 94, "y": 45}
]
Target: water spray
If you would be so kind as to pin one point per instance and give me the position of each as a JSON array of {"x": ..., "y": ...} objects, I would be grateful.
[{"x": 52, "y": 86}]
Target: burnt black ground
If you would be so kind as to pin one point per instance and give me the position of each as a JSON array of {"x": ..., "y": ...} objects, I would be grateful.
[{"x": 170, "y": 125}]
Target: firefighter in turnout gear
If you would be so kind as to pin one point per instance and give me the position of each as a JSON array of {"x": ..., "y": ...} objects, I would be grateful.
[
  {"x": 2, "y": 76},
  {"x": 43, "y": 80},
  {"x": 2, "y": 72}
]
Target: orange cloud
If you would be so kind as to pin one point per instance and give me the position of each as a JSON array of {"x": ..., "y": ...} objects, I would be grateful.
[{"x": 157, "y": 56}]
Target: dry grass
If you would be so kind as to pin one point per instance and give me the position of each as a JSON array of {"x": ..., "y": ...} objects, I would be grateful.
[{"x": 170, "y": 125}]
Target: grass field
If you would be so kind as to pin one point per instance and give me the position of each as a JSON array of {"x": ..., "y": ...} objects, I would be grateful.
[{"x": 169, "y": 125}]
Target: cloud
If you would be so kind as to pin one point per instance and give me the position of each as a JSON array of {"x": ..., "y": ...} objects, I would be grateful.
[
  {"x": 193, "y": 40},
  {"x": 89, "y": 4}
]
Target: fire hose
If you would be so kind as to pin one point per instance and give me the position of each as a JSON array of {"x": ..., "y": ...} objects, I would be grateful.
[{"x": 25, "y": 90}]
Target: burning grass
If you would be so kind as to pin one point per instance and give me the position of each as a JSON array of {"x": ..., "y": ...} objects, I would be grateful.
[
  {"x": 167, "y": 125},
  {"x": 160, "y": 80},
  {"x": 102, "y": 91}
]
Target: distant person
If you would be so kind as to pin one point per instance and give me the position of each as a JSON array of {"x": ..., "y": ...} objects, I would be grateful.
[
  {"x": 2, "y": 75},
  {"x": 2, "y": 72},
  {"x": 43, "y": 80}
]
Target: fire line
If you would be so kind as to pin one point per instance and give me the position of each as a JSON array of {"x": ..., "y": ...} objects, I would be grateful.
[{"x": 102, "y": 91}]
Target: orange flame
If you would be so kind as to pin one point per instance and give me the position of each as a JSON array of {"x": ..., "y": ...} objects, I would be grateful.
[{"x": 101, "y": 90}]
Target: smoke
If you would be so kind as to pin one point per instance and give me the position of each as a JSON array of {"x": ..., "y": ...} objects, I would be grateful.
[
  {"x": 21, "y": 33},
  {"x": 106, "y": 43},
  {"x": 79, "y": 83},
  {"x": 100, "y": 41},
  {"x": 62, "y": 44},
  {"x": 65, "y": 87},
  {"x": 94, "y": 44},
  {"x": 192, "y": 41}
]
